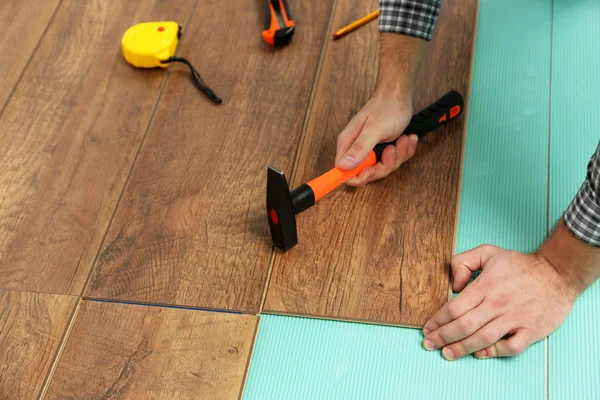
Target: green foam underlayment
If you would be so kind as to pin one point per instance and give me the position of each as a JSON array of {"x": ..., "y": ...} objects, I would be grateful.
[
  {"x": 503, "y": 201},
  {"x": 574, "y": 350},
  {"x": 302, "y": 358}
]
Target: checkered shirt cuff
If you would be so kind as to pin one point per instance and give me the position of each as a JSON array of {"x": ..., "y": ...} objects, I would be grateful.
[
  {"x": 583, "y": 215},
  {"x": 409, "y": 17}
]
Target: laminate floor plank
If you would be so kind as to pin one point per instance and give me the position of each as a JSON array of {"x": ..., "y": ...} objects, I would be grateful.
[
  {"x": 125, "y": 351},
  {"x": 23, "y": 23},
  {"x": 379, "y": 254},
  {"x": 69, "y": 135},
  {"x": 31, "y": 328},
  {"x": 191, "y": 228}
]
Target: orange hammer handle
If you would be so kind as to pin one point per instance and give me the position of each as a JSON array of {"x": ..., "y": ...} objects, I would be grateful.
[{"x": 335, "y": 177}]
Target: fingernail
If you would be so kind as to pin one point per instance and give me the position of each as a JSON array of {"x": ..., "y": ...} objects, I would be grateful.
[
  {"x": 413, "y": 138},
  {"x": 347, "y": 162},
  {"x": 448, "y": 353},
  {"x": 428, "y": 344},
  {"x": 481, "y": 354},
  {"x": 426, "y": 331}
]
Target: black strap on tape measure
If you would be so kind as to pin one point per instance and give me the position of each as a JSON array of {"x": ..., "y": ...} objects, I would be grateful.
[{"x": 196, "y": 78}]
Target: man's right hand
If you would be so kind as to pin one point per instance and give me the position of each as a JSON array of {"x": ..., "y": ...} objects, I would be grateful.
[
  {"x": 386, "y": 114},
  {"x": 382, "y": 119}
]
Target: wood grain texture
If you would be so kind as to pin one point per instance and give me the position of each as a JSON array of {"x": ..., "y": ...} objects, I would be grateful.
[
  {"x": 31, "y": 328},
  {"x": 124, "y": 351},
  {"x": 23, "y": 23},
  {"x": 191, "y": 228},
  {"x": 70, "y": 133},
  {"x": 381, "y": 253}
]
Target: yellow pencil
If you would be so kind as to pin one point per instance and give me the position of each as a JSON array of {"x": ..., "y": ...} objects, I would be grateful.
[{"x": 356, "y": 24}]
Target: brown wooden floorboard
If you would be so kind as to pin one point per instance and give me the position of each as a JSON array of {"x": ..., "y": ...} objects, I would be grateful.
[
  {"x": 380, "y": 253},
  {"x": 23, "y": 23},
  {"x": 125, "y": 351},
  {"x": 31, "y": 328},
  {"x": 69, "y": 135},
  {"x": 191, "y": 228}
]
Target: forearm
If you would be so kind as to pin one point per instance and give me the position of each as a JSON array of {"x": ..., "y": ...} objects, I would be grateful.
[
  {"x": 406, "y": 27},
  {"x": 399, "y": 60},
  {"x": 574, "y": 246}
]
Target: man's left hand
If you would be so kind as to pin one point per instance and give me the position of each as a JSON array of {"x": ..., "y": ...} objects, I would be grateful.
[{"x": 517, "y": 300}]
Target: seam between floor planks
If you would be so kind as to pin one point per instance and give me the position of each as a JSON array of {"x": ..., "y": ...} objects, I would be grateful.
[
  {"x": 464, "y": 146},
  {"x": 249, "y": 360},
  {"x": 18, "y": 81},
  {"x": 135, "y": 158},
  {"x": 340, "y": 319},
  {"x": 305, "y": 124},
  {"x": 61, "y": 346}
]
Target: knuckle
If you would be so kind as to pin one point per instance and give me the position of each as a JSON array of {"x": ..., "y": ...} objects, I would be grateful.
[
  {"x": 465, "y": 325},
  {"x": 499, "y": 301},
  {"x": 358, "y": 146},
  {"x": 488, "y": 337},
  {"x": 515, "y": 348},
  {"x": 454, "y": 310}
]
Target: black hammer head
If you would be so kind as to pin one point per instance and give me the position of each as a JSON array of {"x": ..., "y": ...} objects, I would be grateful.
[{"x": 280, "y": 209}]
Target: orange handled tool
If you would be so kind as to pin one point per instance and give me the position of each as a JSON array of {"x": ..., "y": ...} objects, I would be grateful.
[
  {"x": 283, "y": 205},
  {"x": 279, "y": 26}
]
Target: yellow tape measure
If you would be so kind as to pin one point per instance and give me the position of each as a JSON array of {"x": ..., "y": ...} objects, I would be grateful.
[{"x": 153, "y": 44}]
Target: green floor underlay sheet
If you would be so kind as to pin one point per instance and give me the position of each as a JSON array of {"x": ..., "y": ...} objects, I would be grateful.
[
  {"x": 503, "y": 202},
  {"x": 574, "y": 349}
]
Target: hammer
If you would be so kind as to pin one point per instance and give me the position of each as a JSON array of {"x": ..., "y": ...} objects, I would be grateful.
[{"x": 283, "y": 205}]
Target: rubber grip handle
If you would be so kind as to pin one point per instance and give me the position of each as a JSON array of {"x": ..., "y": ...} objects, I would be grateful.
[
  {"x": 335, "y": 177},
  {"x": 444, "y": 110}
]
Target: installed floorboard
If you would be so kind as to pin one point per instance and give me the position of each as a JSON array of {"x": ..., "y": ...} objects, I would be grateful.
[
  {"x": 381, "y": 253},
  {"x": 23, "y": 23},
  {"x": 31, "y": 327},
  {"x": 191, "y": 228},
  {"x": 120, "y": 351},
  {"x": 69, "y": 135}
]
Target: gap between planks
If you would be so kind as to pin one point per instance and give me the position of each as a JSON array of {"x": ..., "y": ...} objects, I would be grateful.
[
  {"x": 112, "y": 217},
  {"x": 463, "y": 147},
  {"x": 305, "y": 125},
  {"x": 249, "y": 360},
  {"x": 341, "y": 319},
  {"x": 61, "y": 347}
]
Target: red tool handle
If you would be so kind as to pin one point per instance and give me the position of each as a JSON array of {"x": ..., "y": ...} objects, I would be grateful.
[
  {"x": 279, "y": 25},
  {"x": 447, "y": 108}
]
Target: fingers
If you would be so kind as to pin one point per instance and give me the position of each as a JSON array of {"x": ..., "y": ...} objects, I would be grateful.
[
  {"x": 349, "y": 135},
  {"x": 360, "y": 147},
  {"x": 454, "y": 309},
  {"x": 484, "y": 337},
  {"x": 514, "y": 345},
  {"x": 464, "y": 264},
  {"x": 460, "y": 328},
  {"x": 391, "y": 158}
]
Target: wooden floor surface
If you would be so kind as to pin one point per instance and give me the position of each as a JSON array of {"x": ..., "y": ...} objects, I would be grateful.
[
  {"x": 23, "y": 22},
  {"x": 124, "y": 351},
  {"x": 69, "y": 135},
  {"x": 130, "y": 185},
  {"x": 380, "y": 253},
  {"x": 31, "y": 328},
  {"x": 191, "y": 227}
]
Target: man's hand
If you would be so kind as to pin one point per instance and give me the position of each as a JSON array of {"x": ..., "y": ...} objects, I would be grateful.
[
  {"x": 381, "y": 120},
  {"x": 516, "y": 294},
  {"x": 387, "y": 114},
  {"x": 522, "y": 296}
]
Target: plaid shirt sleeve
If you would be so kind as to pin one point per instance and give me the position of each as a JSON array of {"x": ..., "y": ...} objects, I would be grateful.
[
  {"x": 583, "y": 215},
  {"x": 409, "y": 17}
]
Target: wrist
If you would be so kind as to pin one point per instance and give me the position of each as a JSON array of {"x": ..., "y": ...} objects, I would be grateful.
[{"x": 575, "y": 261}]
